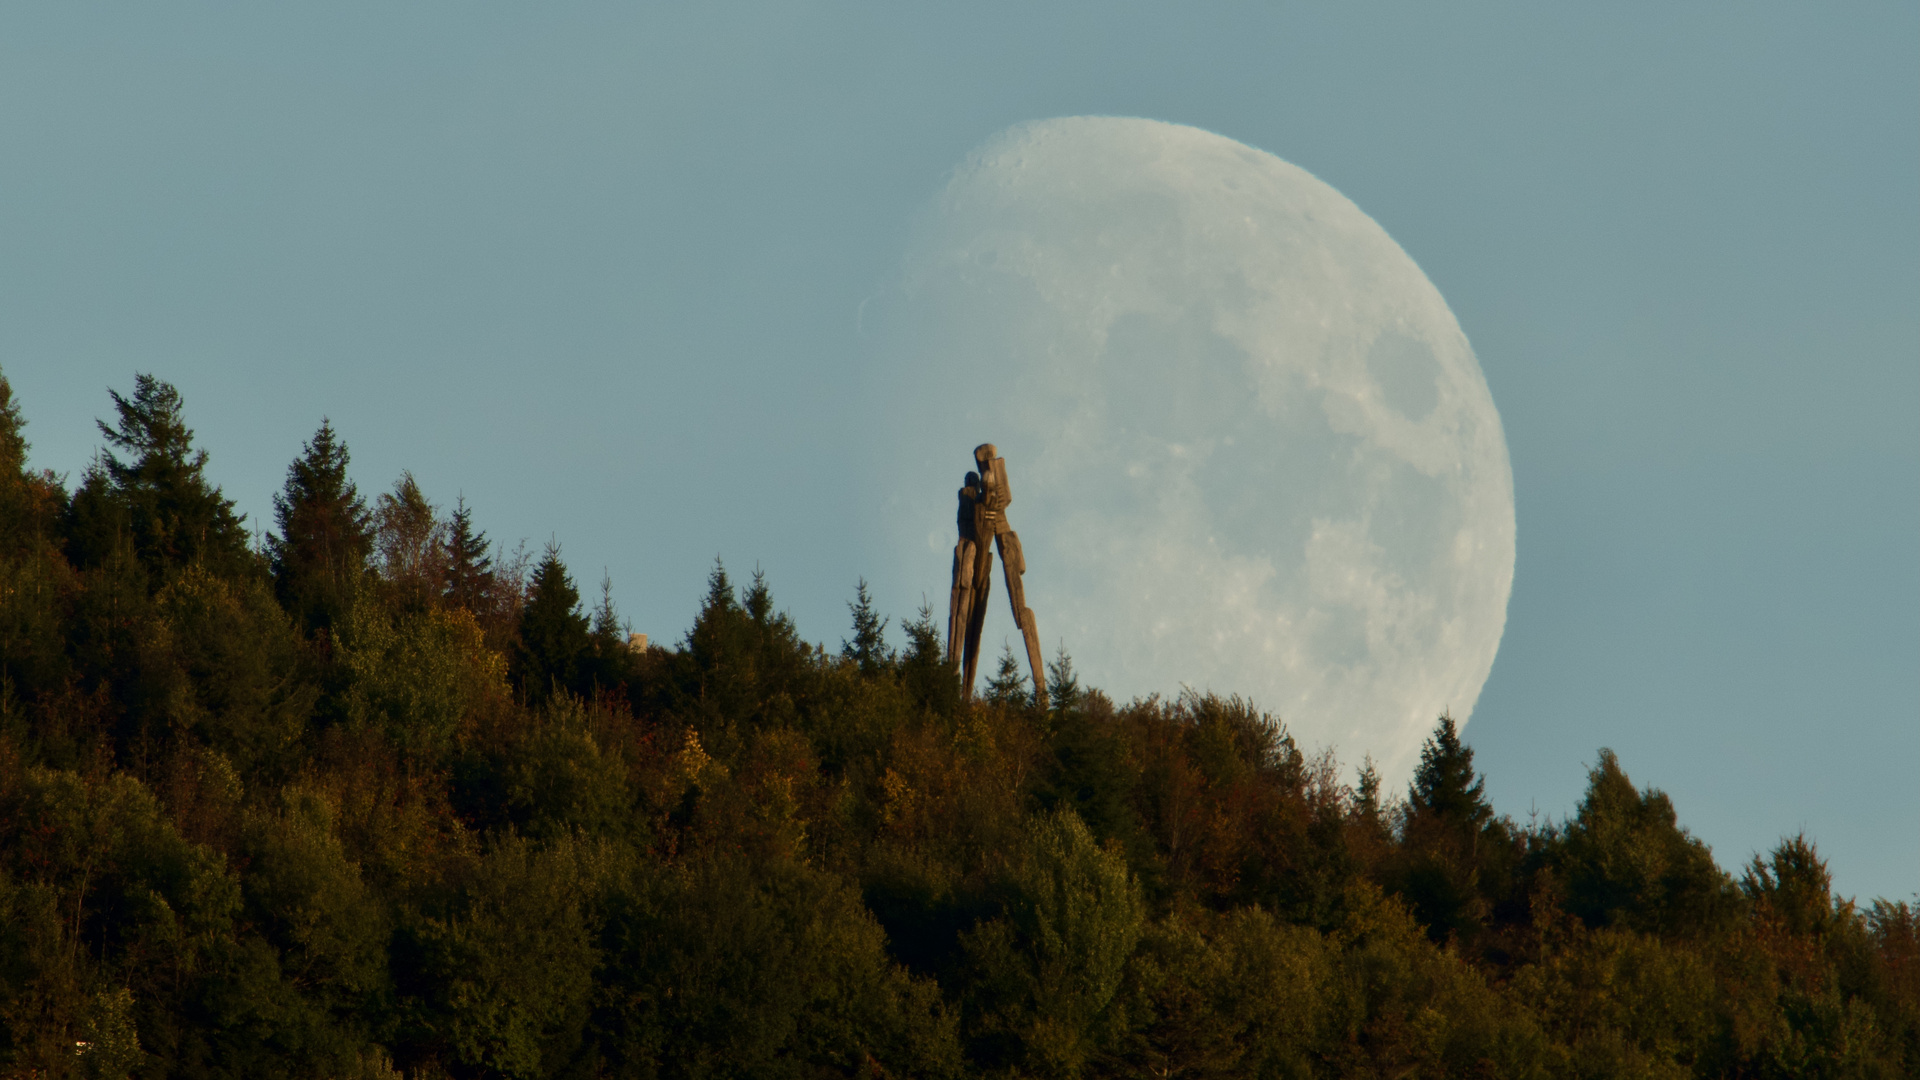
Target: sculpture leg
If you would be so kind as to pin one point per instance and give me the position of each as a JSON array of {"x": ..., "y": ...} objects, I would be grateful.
[
  {"x": 977, "y": 615},
  {"x": 1013, "y": 564},
  {"x": 960, "y": 603}
]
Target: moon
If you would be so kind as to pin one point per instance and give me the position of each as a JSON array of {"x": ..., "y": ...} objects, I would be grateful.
[{"x": 1251, "y": 451}]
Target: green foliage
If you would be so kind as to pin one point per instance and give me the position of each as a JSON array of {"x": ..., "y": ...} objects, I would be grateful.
[
  {"x": 469, "y": 579},
  {"x": 725, "y": 968},
  {"x": 1627, "y": 862},
  {"x": 868, "y": 647},
  {"x": 496, "y": 974},
  {"x": 415, "y": 675},
  {"x": 555, "y": 638},
  {"x": 1008, "y": 686},
  {"x": 221, "y": 663},
  {"x": 1455, "y": 855},
  {"x": 408, "y": 545},
  {"x": 156, "y": 501},
  {"x": 325, "y": 536},
  {"x": 1044, "y": 975},
  {"x": 232, "y": 845}
]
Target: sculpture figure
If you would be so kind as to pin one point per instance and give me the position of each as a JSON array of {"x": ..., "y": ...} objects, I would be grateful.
[{"x": 983, "y": 518}]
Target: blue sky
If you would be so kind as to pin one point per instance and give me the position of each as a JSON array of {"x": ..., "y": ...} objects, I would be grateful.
[{"x": 597, "y": 268}]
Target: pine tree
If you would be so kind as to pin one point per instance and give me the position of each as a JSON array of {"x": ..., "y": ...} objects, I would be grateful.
[
  {"x": 469, "y": 574},
  {"x": 1794, "y": 885},
  {"x": 1626, "y": 861},
  {"x": 868, "y": 649},
  {"x": 1008, "y": 686},
  {"x": 325, "y": 535},
  {"x": 171, "y": 516},
  {"x": 924, "y": 670},
  {"x": 613, "y": 660},
  {"x": 29, "y": 504},
  {"x": 1445, "y": 788},
  {"x": 1366, "y": 793},
  {"x": 1442, "y": 869},
  {"x": 555, "y": 638},
  {"x": 1063, "y": 685}
]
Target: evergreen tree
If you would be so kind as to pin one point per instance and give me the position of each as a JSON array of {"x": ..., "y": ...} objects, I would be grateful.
[
  {"x": 1450, "y": 841},
  {"x": 325, "y": 534},
  {"x": 1063, "y": 685},
  {"x": 29, "y": 504},
  {"x": 1626, "y": 861},
  {"x": 555, "y": 638},
  {"x": 1008, "y": 685},
  {"x": 1366, "y": 794},
  {"x": 1794, "y": 885},
  {"x": 929, "y": 679},
  {"x": 33, "y": 576},
  {"x": 469, "y": 574},
  {"x": 1445, "y": 788},
  {"x": 613, "y": 659},
  {"x": 868, "y": 649},
  {"x": 157, "y": 498}
]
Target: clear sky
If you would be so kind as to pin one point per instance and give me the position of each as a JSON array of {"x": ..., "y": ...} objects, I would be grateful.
[{"x": 598, "y": 269}]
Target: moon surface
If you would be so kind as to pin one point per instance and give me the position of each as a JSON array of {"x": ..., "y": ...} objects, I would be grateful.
[{"x": 1250, "y": 448}]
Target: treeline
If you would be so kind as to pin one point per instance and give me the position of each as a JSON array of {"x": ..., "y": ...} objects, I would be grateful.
[{"x": 380, "y": 799}]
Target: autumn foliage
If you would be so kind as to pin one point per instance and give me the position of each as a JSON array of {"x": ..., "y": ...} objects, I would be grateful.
[{"x": 379, "y": 798}]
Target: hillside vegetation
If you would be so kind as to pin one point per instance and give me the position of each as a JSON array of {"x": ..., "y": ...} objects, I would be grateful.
[{"x": 380, "y": 798}]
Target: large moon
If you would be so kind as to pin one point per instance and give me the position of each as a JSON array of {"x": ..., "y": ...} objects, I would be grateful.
[{"x": 1250, "y": 448}]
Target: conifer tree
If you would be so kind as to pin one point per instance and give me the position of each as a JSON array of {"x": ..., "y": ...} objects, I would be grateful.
[
  {"x": 325, "y": 534},
  {"x": 1626, "y": 860},
  {"x": 1794, "y": 885},
  {"x": 555, "y": 638},
  {"x": 1366, "y": 793},
  {"x": 157, "y": 498},
  {"x": 868, "y": 648},
  {"x": 1063, "y": 685},
  {"x": 1445, "y": 788},
  {"x": 1447, "y": 817},
  {"x": 923, "y": 665},
  {"x": 1008, "y": 685},
  {"x": 29, "y": 503},
  {"x": 469, "y": 574}
]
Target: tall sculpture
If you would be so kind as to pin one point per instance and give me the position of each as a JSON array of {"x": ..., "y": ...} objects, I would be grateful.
[{"x": 983, "y": 518}]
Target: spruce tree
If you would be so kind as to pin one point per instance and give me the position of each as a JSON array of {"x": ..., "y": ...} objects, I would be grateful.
[
  {"x": 868, "y": 648},
  {"x": 1449, "y": 840},
  {"x": 1063, "y": 685},
  {"x": 555, "y": 638},
  {"x": 1008, "y": 686},
  {"x": 1626, "y": 861},
  {"x": 29, "y": 504},
  {"x": 161, "y": 502},
  {"x": 929, "y": 679},
  {"x": 16, "y": 516},
  {"x": 469, "y": 574},
  {"x": 1445, "y": 789},
  {"x": 325, "y": 534}
]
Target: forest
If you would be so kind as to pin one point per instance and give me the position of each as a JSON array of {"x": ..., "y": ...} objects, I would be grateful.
[{"x": 376, "y": 797}]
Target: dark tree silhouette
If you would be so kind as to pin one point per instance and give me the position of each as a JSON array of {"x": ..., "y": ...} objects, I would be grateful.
[
  {"x": 326, "y": 534},
  {"x": 555, "y": 638},
  {"x": 156, "y": 499},
  {"x": 868, "y": 647},
  {"x": 469, "y": 574}
]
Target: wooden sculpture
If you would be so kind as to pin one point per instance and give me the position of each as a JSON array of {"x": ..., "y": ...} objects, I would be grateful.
[{"x": 983, "y": 517}]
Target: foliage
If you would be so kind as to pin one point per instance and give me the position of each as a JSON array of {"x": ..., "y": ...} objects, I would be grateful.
[
  {"x": 387, "y": 802},
  {"x": 325, "y": 536}
]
